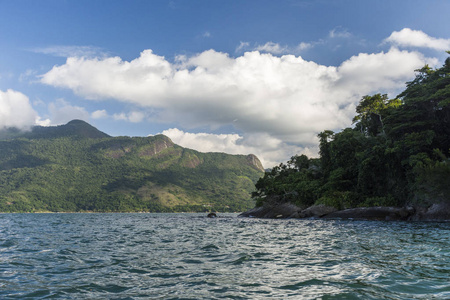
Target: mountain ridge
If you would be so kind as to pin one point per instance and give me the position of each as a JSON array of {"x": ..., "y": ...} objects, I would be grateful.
[{"x": 76, "y": 167}]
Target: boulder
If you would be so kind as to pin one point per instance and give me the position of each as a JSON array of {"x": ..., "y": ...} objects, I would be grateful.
[
  {"x": 315, "y": 211},
  {"x": 279, "y": 211},
  {"x": 436, "y": 212},
  {"x": 373, "y": 213}
]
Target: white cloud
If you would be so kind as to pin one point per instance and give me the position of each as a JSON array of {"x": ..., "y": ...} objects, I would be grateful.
[
  {"x": 43, "y": 122},
  {"x": 282, "y": 97},
  {"x": 271, "y": 47},
  {"x": 99, "y": 114},
  {"x": 62, "y": 112},
  {"x": 339, "y": 32},
  {"x": 276, "y": 48},
  {"x": 387, "y": 71},
  {"x": 205, "y": 142},
  {"x": 136, "y": 117},
  {"x": 417, "y": 38},
  {"x": 267, "y": 148},
  {"x": 90, "y": 77},
  {"x": 16, "y": 110},
  {"x": 133, "y": 116},
  {"x": 303, "y": 46},
  {"x": 242, "y": 46},
  {"x": 120, "y": 117},
  {"x": 27, "y": 75},
  {"x": 70, "y": 51}
]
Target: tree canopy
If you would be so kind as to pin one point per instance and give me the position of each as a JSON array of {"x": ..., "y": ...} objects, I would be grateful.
[{"x": 396, "y": 154}]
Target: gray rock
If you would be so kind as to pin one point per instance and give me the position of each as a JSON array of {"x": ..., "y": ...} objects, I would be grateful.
[
  {"x": 315, "y": 211},
  {"x": 373, "y": 213},
  {"x": 279, "y": 211},
  {"x": 436, "y": 212}
]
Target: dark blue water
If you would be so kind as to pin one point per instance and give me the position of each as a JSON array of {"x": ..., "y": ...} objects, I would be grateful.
[{"x": 188, "y": 256}]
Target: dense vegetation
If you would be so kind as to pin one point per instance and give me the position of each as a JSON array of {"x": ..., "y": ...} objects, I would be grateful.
[
  {"x": 75, "y": 167},
  {"x": 396, "y": 154}
]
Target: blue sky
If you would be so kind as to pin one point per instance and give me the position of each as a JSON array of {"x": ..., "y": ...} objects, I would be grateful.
[{"x": 240, "y": 77}]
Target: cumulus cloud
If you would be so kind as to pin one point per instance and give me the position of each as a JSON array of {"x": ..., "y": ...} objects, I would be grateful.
[
  {"x": 16, "y": 110},
  {"x": 284, "y": 97},
  {"x": 417, "y": 38},
  {"x": 267, "y": 148},
  {"x": 387, "y": 71},
  {"x": 205, "y": 142}
]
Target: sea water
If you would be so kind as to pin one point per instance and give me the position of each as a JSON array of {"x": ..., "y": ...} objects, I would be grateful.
[{"x": 189, "y": 256}]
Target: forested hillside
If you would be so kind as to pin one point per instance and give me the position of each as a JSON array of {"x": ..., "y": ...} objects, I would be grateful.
[
  {"x": 75, "y": 167},
  {"x": 396, "y": 154}
]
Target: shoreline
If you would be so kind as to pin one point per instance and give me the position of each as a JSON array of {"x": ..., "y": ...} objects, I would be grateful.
[{"x": 438, "y": 212}]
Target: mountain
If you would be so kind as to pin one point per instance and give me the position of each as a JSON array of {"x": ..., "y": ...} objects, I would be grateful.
[
  {"x": 76, "y": 167},
  {"x": 75, "y": 128}
]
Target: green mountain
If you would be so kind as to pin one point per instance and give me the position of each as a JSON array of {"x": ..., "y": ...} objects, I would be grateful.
[
  {"x": 75, "y": 167},
  {"x": 75, "y": 128}
]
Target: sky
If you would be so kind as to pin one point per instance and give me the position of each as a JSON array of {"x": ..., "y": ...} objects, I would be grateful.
[{"x": 240, "y": 77}]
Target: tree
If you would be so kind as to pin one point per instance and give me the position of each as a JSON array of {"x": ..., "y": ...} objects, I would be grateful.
[
  {"x": 325, "y": 138},
  {"x": 370, "y": 113}
]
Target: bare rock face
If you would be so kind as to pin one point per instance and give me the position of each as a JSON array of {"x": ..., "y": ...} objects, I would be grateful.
[
  {"x": 152, "y": 150},
  {"x": 255, "y": 162}
]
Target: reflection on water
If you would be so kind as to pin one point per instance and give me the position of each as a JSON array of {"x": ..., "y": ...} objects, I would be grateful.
[{"x": 189, "y": 256}]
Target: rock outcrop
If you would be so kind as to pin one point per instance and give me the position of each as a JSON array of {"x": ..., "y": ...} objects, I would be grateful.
[
  {"x": 316, "y": 211},
  {"x": 281, "y": 211},
  {"x": 373, "y": 213},
  {"x": 255, "y": 162},
  {"x": 288, "y": 210},
  {"x": 436, "y": 212}
]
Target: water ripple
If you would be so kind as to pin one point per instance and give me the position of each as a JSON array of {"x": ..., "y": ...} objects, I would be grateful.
[{"x": 188, "y": 256}]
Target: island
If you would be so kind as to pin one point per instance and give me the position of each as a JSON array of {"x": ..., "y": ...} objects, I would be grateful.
[{"x": 392, "y": 164}]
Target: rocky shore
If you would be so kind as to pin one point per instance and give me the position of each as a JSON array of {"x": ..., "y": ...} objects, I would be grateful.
[{"x": 436, "y": 212}]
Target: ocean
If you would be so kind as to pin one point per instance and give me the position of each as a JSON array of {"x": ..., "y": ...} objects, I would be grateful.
[{"x": 189, "y": 256}]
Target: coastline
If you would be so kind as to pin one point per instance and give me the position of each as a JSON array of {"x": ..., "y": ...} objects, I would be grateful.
[{"x": 438, "y": 212}]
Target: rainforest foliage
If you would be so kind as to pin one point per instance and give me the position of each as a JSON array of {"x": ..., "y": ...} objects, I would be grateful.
[
  {"x": 396, "y": 154},
  {"x": 76, "y": 168}
]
